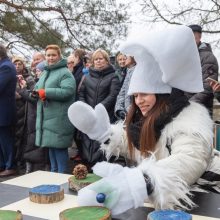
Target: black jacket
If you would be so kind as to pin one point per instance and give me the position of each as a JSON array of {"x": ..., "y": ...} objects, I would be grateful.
[
  {"x": 101, "y": 87},
  {"x": 21, "y": 113},
  {"x": 97, "y": 87},
  {"x": 209, "y": 65},
  {"x": 77, "y": 73}
]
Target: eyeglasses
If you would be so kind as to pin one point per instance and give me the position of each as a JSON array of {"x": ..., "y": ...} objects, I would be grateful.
[{"x": 70, "y": 63}]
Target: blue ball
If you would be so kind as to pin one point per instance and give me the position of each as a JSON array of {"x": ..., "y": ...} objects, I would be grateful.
[{"x": 100, "y": 197}]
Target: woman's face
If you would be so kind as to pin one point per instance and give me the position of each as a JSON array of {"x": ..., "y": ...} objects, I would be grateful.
[
  {"x": 129, "y": 62},
  {"x": 76, "y": 59},
  {"x": 52, "y": 56},
  {"x": 100, "y": 62},
  {"x": 121, "y": 59},
  {"x": 70, "y": 63},
  {"x": 145, "y": 102}
]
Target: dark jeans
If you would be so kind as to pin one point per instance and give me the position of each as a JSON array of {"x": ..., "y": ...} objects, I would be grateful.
[
  {"x": 6, "y": 147},
  {"x": 58, "y": 159}
]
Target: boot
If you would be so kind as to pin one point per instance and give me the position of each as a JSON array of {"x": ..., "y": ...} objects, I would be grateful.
[{"x": 29, "y": 167}]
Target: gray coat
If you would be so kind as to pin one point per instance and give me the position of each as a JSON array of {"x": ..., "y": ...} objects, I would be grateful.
[{"x": 123, "y": 100}]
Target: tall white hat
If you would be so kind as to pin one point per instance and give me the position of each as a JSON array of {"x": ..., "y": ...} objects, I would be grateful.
[{"x": 165, "y": 59}]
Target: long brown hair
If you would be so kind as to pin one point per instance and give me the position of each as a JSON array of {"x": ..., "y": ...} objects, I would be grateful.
[{"x": 148, "y": 137}]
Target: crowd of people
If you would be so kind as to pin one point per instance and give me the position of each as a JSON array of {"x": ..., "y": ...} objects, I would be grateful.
[{"x": 35, "y": 131}]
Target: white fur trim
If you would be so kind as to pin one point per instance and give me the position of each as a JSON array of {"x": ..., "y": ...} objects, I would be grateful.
[
  {"x": 194, "y": 120},
  {"x": 168, "y": 187},
  {"x": 118, "y": 142}
]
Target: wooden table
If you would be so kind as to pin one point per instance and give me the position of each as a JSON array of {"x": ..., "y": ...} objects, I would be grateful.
[{"x": 14, "y": 196}]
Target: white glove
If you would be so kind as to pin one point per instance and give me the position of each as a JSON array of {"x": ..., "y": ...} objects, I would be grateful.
[
  {"x": 104, "y": 169},
  {"x": 124, "y": 190},
  {"x": 93, "y": 122}
]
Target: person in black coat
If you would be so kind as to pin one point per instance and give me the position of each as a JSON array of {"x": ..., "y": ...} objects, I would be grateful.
[
  {"x": 100, "y": 86},
  {"x": 21, "y": 109},
  {"x": 210, "y": 68},
  {"x": 36, "y": 158},
  {"x": 78, "y": 56},
  {"x": 7, "y": 113}
]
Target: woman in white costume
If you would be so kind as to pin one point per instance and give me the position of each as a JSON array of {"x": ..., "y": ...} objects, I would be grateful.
[{"x": 167, "y": 138}]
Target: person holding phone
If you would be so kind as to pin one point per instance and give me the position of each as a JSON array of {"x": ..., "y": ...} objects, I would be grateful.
[
  {"x": 215, "y": 85},
  {"x": 209, "y": 66}
]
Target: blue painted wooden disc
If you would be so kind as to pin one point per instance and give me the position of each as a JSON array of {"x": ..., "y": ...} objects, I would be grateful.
[
  {"x": 169, "y": 215},
  {"x": 46, "y": 189}
]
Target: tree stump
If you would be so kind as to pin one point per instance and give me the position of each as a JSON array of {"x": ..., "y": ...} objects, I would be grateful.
[
  {"x": 46, "y": 194},
  {"x": 82, "y": 213},
  {"x": 77, "y": 184}
]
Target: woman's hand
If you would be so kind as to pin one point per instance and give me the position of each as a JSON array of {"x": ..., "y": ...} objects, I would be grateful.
[
  {"x": 214, "y": 84},
  {"x": 22, "y": 83}
]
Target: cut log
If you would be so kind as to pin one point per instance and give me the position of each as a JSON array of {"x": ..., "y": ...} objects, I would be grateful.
[
  {"x": 46, "y": 194},
  {"x": 77, "y": 184}
]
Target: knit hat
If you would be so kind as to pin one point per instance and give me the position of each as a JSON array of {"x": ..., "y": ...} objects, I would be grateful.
[
  {"x": 40, "y": 66},
  {"x": 17, "y": 58},
  {"x": 165, "y": 59},
  {"x": 196, "y": 28}
]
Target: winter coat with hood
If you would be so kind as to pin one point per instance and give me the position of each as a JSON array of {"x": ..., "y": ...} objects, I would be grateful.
[
  {"x": 21, "y": 110},
  {"x": 209, "y": 65},
  {"x": 32, "y": 153},
  {"x": 98, "y": 87},
  {"x": 53, "y": 128}
]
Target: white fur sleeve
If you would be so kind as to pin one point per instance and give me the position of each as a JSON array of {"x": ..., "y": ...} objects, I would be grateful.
[
  {"x": 168, "y": 187},
  {"x": 117, "y": 144}
]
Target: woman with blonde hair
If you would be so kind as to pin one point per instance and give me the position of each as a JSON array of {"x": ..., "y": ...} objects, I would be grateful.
[
  {"x": 101, "y": 85},
  {"x": 56, "y": 91}
]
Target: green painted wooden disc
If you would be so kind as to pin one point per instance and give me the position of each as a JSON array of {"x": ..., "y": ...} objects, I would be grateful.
[
  {"x": 86, "y": 213},
  {"x": 90, "y": 178},
  {"x": 10, "y": 215}
]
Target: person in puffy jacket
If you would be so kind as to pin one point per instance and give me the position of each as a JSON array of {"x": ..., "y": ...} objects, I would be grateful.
[
  {"x": 210, "y": 68},
  {"x": 56, "y": 90},
  {"x": 101, "y": 85}
]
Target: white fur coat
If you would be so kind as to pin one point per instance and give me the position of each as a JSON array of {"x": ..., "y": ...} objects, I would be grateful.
[{"x": 190, "y": 137}]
